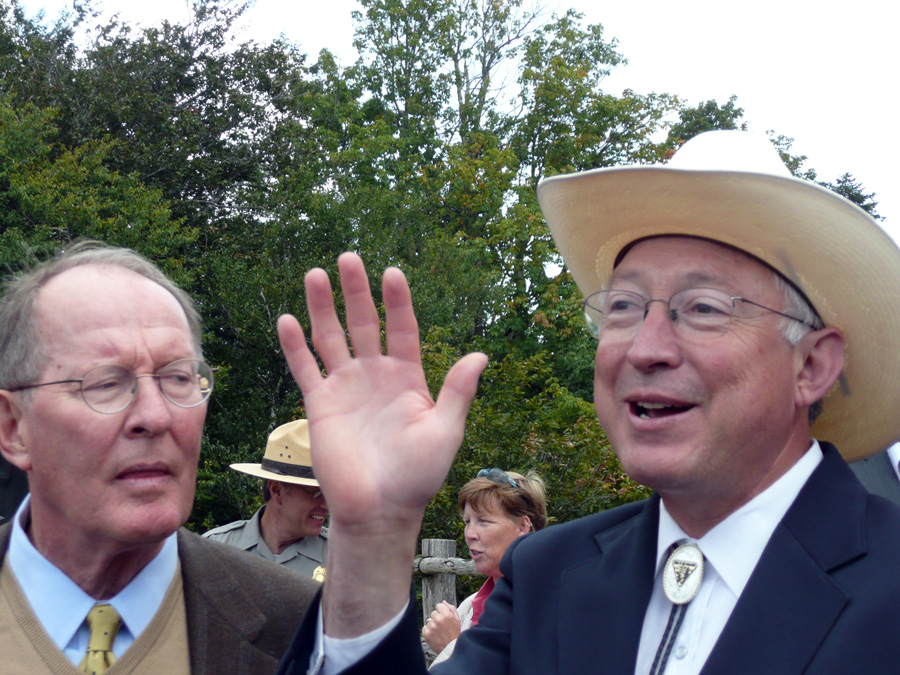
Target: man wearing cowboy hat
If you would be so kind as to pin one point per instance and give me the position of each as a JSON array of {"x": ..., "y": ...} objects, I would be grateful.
[
  {"x": 288, "y": 528},
  {"x": 748, "y": 329}
]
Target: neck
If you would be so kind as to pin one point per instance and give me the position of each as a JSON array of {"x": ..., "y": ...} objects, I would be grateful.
[
  {"x": 697, "y": 511},
  {"x": 99, "y": 570},
  {"x": 276, "y": 538}
]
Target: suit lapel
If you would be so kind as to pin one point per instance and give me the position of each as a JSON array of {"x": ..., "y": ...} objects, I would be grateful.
[
  {"x": 616, "y": 583},
  {"x": 790, "y": 603},
  {"x": 223, "y": 621}
]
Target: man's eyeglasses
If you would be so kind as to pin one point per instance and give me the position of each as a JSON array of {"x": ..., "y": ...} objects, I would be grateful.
[
  {"x": 313, "y": 492},
  {"x": 110, "y": 389},
  {"x": 497, "y": 476},
  {"x": 695, "y": 312}
]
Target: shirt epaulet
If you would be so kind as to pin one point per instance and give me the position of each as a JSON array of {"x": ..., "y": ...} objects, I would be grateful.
[{"x": 222, "y": 529}]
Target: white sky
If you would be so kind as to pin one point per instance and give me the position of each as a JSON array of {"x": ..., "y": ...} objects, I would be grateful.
[{"x": 819, "y": 72}]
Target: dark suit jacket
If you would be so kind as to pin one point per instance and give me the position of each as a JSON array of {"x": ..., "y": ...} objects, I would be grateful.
[
  {"x": 824, "y": 598},
  {"x": 241, "y": 610},
  {"x": 13, "y": 488},
  {"x": 879, "y": 477}
]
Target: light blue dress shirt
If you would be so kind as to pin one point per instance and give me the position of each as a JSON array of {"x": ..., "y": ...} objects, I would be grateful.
[{"x": 61, "y": 606}]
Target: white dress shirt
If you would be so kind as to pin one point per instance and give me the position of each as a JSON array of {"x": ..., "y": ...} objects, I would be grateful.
[
  {"x": 61, "y": 606},
  {"x": 894, "y": 455},
  {"x": 731, "y": 549}
]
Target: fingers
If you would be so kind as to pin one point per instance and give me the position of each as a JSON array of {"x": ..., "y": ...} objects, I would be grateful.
[
  {"x": 460, "y": 387},
  {"x": 327, "y": 333},
  {"x": 362, "y": 317},
  {"x": 401, "y": 327},
  {"x": 300, "y": 360}
]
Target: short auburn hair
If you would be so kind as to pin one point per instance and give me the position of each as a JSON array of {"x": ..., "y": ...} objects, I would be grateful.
[{"x": 528, "y": 499}]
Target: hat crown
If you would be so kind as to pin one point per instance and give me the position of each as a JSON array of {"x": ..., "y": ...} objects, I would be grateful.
[
  {"x": 722, "y": 150},
  {"x": 288, "y": 457},
  {"x": 289, "y": 443}
]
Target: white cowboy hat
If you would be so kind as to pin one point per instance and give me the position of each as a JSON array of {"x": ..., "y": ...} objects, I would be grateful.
[
  {"x": 732, "y": 187},
  {"x": 287, "y": 458}
]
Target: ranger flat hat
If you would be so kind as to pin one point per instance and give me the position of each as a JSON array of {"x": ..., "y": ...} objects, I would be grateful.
[
  {"x": 287, "y": 458},
  {"x": 732, "y": 187}
]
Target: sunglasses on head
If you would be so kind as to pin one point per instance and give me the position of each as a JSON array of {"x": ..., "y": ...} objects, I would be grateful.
[{"x": 497, "y": 476}]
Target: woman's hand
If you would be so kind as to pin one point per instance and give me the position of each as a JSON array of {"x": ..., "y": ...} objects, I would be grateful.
[{"x": 442, "y": 628}]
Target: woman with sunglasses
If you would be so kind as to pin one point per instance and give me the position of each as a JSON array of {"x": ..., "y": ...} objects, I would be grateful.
[{"x": 497, "y": 507}]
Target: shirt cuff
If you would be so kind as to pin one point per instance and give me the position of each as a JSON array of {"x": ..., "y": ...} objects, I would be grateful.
[{"x": 332, "y": 655}]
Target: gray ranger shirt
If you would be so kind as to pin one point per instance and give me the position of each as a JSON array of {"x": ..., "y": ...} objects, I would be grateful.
[{"x": 306, "y": 555}]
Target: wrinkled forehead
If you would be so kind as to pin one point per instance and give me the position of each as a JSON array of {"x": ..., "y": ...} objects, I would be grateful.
[
  {"x": 674, "y": 239},
  {"x": 89, "y": 299},
  {"x": 698, "y": 260}
]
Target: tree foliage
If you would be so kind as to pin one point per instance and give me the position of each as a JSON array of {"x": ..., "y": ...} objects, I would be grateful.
[{"x": 237, "y": 166}]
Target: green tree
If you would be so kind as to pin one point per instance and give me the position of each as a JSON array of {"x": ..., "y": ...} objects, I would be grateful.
[
  {"x": 241, "y": 165},
  {"x": 850, "y": 188},
  {"x": 707, "y": 116}
]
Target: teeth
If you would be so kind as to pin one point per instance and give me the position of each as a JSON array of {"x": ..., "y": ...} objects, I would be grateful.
[{"x": 643, "y": 407}]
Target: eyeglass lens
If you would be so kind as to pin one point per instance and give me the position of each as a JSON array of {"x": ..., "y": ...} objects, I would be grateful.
[
  {"x": 694, "y": 311},
  {"x": 315, "y": 493},
  {"x": 109, "y": 389}
]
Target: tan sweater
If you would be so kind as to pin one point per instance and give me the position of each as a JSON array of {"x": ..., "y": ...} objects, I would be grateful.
[{"x": 26, "y": 647}]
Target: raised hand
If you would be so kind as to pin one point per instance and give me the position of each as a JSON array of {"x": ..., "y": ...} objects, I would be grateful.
[
  {"x": 442, "y": 627},
  {"x": 381, "y": 447}
]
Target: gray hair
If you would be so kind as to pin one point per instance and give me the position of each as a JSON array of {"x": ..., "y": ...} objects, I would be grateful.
[
  {"x": 800, "y": 308},
  {"x": 22, "y": 354}
]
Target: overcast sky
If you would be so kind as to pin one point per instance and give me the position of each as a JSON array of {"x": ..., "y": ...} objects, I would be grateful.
[{"x": 819, "y": 72}]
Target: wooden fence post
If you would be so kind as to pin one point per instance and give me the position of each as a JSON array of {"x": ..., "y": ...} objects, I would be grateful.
[{"x": 438, "y": 587}]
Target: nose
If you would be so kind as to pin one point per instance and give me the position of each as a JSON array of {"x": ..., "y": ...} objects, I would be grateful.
[
  {"x": 656, "y": 344},
  {"x": 470, "y": 532},
  {"x": 151, "y": 412}
]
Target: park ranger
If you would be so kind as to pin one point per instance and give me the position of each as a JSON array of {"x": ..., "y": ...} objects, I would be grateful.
[{"x": 289, "y": 528}]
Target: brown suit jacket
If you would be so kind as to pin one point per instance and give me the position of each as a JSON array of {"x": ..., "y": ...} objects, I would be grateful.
[{"x": 242, "y": 611}]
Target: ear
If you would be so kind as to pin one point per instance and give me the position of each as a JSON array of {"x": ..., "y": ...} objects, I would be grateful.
[
  {"x": 275, "y": 489},
  {"x": 525, "y": 526},
  {"x": 821, "y": 360},
  {"x": 12, "y": 445}
]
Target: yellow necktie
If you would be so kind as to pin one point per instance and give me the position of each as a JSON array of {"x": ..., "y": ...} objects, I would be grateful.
[{"x": 104, "y": 623}]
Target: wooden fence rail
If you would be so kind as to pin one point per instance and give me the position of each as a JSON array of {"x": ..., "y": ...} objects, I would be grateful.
[{"x": 439, "y": 568}]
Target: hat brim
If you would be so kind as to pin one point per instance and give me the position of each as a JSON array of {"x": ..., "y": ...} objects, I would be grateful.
[
  {"x": 832, "y": 250},
  {"x": 259, "y": 472}
]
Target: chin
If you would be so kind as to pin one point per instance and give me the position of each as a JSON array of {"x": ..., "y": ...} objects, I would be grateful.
[{"x": 152, "y": 526}]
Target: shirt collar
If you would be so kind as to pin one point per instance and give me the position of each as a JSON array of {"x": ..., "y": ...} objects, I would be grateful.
[
  {"x": 735, "y": 545},
  {"x": 47, "y": 588},
  {"x": 894, "y": 455}
]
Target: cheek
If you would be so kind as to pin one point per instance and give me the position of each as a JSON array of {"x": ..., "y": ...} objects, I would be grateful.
[
  {"x": 607, "y": 361},
  {"x": 188, "y": 431}
]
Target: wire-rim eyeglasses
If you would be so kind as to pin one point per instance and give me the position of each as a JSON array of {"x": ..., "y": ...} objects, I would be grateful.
[
  {"x": 695, "y": 312},
  {"x": 110, "y": 389}
]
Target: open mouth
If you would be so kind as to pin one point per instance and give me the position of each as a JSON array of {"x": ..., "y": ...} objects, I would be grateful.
[{"x": 648, "y": 411}]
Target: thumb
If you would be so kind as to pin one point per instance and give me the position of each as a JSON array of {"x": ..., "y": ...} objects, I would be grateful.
[{"x": 460, "y": 386}]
